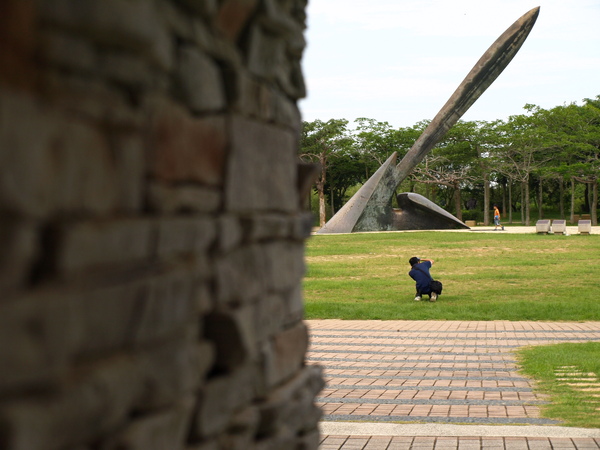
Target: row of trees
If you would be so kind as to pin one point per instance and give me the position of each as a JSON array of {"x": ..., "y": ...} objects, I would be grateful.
[{"x": 544, "y": 157}]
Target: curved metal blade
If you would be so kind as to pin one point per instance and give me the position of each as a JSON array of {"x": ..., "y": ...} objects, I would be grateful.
[{"x": 481, "y": 76}]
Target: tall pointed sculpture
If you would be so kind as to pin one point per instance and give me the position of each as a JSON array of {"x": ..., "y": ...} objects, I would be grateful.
[{"x": 370, "y": 209}]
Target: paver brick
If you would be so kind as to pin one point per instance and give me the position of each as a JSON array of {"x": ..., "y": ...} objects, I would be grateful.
[{"x": 389, "y": 375}]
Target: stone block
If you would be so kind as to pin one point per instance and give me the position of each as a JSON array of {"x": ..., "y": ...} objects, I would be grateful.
[
  {"x": 283, "y": 439},
  {"x": 233, "y": 16},
  {"x": 168, "y": 306},
  {"x": 110, "y": 23},
  {"x": 241, "y": 275},
  {"x": 174, "y": 199},
  {"x": 84, "y": 176},
  {"x": 241, "y": 432},
  {"x": 85, "y": 246},
  {"x": 18, "y": 40},
  {"x": 208, "y": 445},
  {"x": 267, "y": 227},
  {"x": 179, "y": 236},
  {"x": 270, "y": 311},
  {"x": 200, "y": 82},
  {"x": 125, "y": 69},
  {"x": 158, "y": 431},
  {"x": 221, "y": 398},
  {"x": 108, "y": 317},
  {"x": 294, "y": 306},
  {"x": 230, "y": 233},
  {"x": 172, "y": 370},
  {"x": 292, "y": 405},
  {"x": 68, "y": 52},
  {"x": 233, "y": 334},
  {"x": 310, "y": 440},
  {"x": 285, "y": 263},
  {"x": 19, "y": 239},
  {"x": 207, "y": 8},
  {"x": 277, "y": 20},
  {"x": 187, "y": 149},
  {"x": 254, "y": 99},
  {"x": 266, "y": 53},
  {"x": 129, "y": 154},
  {"x": 261, "y": 173},
  {"x": 24, "y": 159},
  {"x": 302, "y": 225},
  {"x": 287, "y": 113},
  {"x": 204, "y": 297},
  {"x": 39, "y": 333},
  {"x": 90, "y": 98},
  {"x": 101, "y": 398},
  {"x": 286, "y": 354}
]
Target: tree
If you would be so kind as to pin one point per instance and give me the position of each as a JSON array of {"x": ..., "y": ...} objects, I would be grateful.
[
  {"x": 450, "y": 163},
  {"x": 376, "y": 141},
  {"x": 521, "y": 154},
  {"x": 345, "y": 171},
  {"x": 320, "y": 142}
]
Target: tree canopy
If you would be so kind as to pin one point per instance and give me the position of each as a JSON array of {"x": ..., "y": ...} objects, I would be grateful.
[{"x": 543, "y": 158}]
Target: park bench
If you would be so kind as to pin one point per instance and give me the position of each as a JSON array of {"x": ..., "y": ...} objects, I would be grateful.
[
  {"x": 584, "y": 226},
  {"x": 542, "y": 226},
  {"x": 559, "y": 226}
]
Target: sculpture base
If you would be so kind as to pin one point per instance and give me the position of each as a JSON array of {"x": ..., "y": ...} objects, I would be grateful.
[{"x": 417, "y": 213}]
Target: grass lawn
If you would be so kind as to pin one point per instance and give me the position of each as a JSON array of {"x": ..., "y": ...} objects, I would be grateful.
[
  {"x": 486, "y": 276},
  {"x": 570, "y": 375}
]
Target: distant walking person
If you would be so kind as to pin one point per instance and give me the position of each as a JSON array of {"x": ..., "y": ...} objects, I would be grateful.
[
  {"x": 497, "y": 218},
  {"x": 420, "y": 273}
]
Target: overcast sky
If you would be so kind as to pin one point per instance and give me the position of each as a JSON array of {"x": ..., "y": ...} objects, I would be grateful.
[{"x": 398, "y": 61}]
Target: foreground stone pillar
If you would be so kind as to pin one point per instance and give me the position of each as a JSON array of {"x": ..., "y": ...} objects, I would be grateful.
[{"x": 152, "y": 234}]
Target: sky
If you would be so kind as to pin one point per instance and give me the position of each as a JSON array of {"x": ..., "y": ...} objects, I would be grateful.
[{"x": 399, "y": 61}]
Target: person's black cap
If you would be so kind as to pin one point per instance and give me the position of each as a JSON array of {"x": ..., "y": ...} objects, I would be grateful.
[{"x": 414, "y": 260}]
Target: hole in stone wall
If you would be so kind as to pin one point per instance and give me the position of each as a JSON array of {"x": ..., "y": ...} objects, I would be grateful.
[{"x": 44, "y": 268}]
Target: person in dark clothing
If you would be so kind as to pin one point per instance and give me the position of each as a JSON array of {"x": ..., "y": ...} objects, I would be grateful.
[{"x": 420, "y": 273}]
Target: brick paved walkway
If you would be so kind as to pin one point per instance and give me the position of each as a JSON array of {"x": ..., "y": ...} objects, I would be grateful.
[
  {"x": 455, "y": 443},
  {"x": 434, "y": 372}
]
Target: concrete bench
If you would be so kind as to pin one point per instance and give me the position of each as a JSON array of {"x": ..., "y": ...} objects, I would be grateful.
[
  {"x": 542, "y": 227},
  {"x": 584, "y": 226},
  {"x": 559, "y": 226}
]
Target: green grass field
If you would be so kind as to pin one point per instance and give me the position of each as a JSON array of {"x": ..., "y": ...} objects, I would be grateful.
[
  {"x": 570, "y": 375},
  {"x": 486, "y": 276}
]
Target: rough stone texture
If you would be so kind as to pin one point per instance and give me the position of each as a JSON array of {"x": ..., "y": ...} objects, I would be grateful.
[{"x": 151, "y": 226}]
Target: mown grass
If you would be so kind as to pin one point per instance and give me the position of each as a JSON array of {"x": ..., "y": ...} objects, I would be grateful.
[
  {"x": 486, "y": 276},
  {"x": 573, "y": 401}
]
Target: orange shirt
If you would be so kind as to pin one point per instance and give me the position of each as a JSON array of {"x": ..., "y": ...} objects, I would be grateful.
[{"x": 496, "y": 211}]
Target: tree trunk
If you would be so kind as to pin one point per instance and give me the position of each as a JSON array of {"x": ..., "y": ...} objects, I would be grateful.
[
  {"x": 510, "y": 202},
  {"x": 331, "y": 200},
  {"x": 540, "y": 201},
  {"x": 594, "y": 205},
  {"x": 572, "y": 200},
  {"x": 504, "y": 199},
  {"x": 527, "y": 207},
  {"x": 561, "y": 203},
  {"x": 522, "y": 202},
  {"x": 457, "y": 203},
  {"x": 586, "y": 206},
  {"x": 322, "y": 215},
  {"x": 321, "y": 189},
  {"x": 486, "y": 199}
]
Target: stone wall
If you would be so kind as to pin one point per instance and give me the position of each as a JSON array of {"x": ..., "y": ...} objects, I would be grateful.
[{"x": 151, "y": 226}]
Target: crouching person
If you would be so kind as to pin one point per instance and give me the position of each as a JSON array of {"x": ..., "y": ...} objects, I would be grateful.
[{"x": 425, "y": 284}]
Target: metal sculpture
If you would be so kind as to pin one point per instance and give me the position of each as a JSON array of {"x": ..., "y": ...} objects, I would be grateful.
[{"x": 370, "y": 209}]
